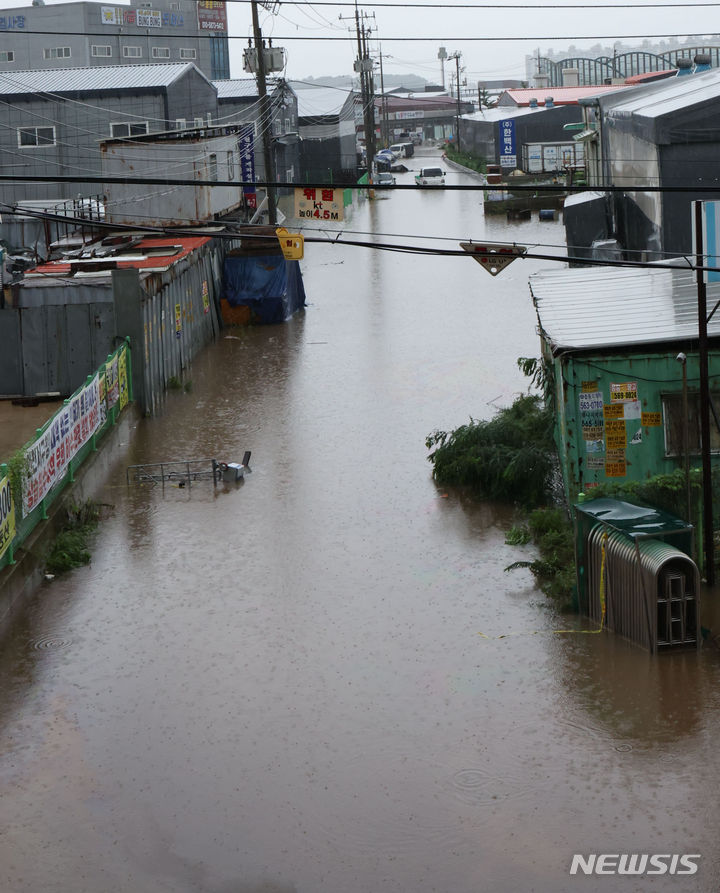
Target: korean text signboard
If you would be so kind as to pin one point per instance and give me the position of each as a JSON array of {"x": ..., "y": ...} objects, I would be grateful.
[
  {"x": 246, "y": 150},
  {"x": 319, "y": 204},
  {"x": 7, "y": 515},
  {"x": 508, "y": 151},
  {"x": 69, "y": 430},
  {"x": 211, "y": 15}
]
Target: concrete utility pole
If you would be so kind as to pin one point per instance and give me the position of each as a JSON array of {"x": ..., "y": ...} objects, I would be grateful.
[
  {"x": 456, "y": 56},
  {"x": 364, "y": 66},
  {"x": 383, "y": 118},
  {"x": 265, "y": 117}
]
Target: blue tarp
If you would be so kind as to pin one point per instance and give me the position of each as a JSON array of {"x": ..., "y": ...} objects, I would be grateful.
[{"x": 269, "y": 285}]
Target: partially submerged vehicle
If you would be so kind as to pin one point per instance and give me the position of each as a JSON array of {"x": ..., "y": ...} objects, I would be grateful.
[{"x": 430, "y": 176}]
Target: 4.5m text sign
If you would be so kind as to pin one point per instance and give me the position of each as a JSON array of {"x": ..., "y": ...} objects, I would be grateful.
[{"x": 319, "y": 204}]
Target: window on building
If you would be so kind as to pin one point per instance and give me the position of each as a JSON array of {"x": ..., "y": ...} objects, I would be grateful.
[
  {"x": 198, "y": 122},
  {"x": 180, "y": 124},
  {"x": 219, "y": 61},
  {"x": 56, "y": 53},
  {"x": 145, "y": 5},
  {"x": 187, "y": 53},
  {"x": 101, "y": 50},
  {"x": 161, "y": 52},
  {"x": 8, "y": 56},
  {"x": 209, "y": 119},
  {"x": 137, "y": 128},
  {"x": 674, "y": 422},
  {"x": 287, "y": 125},
  {"x": 174, "y": 6},
  {"x": 132, "y": 52},
  {"x": 36, "y": 136},
  {"x": 231, "y": 165},
  {"x": 212, "y": 166},
  {"x": 290, "y": 174}
]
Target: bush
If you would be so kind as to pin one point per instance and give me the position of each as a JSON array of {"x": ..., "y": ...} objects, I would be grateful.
[
  {"x": 551, "y": 531},
  {"x": 70, "y": 547},
  {"x": 509, "y": 458}
]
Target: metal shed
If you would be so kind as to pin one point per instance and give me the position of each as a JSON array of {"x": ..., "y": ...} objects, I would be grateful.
[{"x": 635, "y": 581}]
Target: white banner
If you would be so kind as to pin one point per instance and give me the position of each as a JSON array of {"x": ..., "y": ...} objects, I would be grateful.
[{"x": 69, "y": 430}]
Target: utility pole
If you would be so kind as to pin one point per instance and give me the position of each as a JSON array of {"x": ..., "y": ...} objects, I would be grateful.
[
  {"x": 456, "y": 56},
  {"x": 383, "y": 114},
  {"x": 364, "y": 66},
  {"x": 265, "y": 118}
]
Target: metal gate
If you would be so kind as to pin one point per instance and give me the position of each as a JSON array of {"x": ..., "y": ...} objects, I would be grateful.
[{"x": 651, "y": 589}]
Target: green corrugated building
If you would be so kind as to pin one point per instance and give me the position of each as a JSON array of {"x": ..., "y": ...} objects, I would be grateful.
[{"x": 612, "y": 337}]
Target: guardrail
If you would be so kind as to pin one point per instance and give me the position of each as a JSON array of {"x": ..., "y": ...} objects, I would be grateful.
[{"x": 36, "y": 475}]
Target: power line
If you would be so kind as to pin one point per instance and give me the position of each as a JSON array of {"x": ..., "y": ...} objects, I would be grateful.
[
  {"x": 435, "y": 39},
  {"x": 448, "y": 187},
  {"x": 380, "y": 246}
]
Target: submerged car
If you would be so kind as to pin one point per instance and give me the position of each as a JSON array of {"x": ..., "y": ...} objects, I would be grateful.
[
  {"x": 384, "y": 178},
  {"x": 430, "y": 176}
]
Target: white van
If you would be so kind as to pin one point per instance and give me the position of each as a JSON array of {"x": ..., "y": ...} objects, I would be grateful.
[{"x": 430, "y": 176}]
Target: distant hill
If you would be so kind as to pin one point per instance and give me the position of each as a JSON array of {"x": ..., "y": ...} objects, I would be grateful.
[{"x": 345, "y": 82}]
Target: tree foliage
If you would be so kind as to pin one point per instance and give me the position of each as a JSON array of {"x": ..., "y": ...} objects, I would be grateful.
[{"x": 509, "y": 458}]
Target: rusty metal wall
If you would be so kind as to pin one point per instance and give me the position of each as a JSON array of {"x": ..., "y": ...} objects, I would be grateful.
[
  {"x": 51, "y": 348},
  {"x": 178, "y": 320}
]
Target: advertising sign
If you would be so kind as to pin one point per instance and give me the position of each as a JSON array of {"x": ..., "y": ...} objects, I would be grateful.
[
  {"x": 122, "y": 380},
  {"x": 69, "y": 430},
  {"x": 508, "y": 151},
  {"x": 142, "y": 18},
  {"x": 212, "y": 15},
  {"x": 319, "y": 204},
  {"x": 246, "y": 151},
  {"x": 710, "y": 238},
  {"x": 7, "y": 515}
]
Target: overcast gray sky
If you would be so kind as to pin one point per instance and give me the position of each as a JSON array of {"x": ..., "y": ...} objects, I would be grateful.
[
  {"x": 517, "y": 32},
  {"x": 524, "y": 30}
]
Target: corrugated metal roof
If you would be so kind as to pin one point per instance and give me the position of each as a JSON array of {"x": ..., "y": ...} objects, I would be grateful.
[
  {"x": 101, "y": 77},
  {"x": 501, "y": 113},
  {"x": 601, "y": 307},
  {"x": 560, "y": 95},
  {"x": 319, "y": 101},
  {"x": 663, "y": 97},
  {"x": 238, "y": 88}
]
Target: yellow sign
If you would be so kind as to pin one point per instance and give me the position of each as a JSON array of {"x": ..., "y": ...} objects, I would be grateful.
[
  {"x": 615, "y": 434},
  {"x": 589, "y": 387},
  {"x": 651, "y": 419},
  {"x": 623, "y": 392},
  {"x": 292, "y": 244},
  {"x": 7, "y": 516},
  {"x": 613, "y": 411},
  {"x": 178, "y": 320},
  {"x": 615, "y": 465},
  {"x": 122, "y": 378},
  {"x": 205, "y": 297}
]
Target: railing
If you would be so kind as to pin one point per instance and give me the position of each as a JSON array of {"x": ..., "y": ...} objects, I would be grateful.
[{"x": 33, "y": 479}]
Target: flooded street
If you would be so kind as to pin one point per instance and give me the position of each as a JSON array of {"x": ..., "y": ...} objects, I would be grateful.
[{"x": 281, "y": 686}]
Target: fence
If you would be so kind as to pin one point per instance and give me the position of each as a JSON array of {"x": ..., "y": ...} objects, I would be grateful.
[{"x": 40, "y": 471}]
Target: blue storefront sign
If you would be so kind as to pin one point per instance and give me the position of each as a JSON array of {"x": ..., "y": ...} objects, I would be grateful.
[{"x": 508, "y": 153}]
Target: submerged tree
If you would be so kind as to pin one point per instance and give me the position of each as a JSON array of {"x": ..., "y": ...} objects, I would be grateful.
[{"x": 509, "y": 458}]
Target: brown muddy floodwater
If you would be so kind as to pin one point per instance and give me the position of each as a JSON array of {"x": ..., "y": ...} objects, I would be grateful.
[{"x": 281, "y": 686}]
